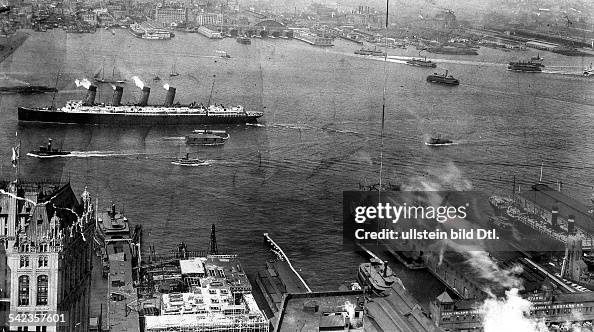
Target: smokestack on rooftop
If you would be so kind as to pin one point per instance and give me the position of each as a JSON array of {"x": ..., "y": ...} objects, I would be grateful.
[
  {"x": 90, "y": 97},
  {"x": 118, "y": 91},
  {"x": 170, "y": 96},
  {"x": 146, "y": 91}
]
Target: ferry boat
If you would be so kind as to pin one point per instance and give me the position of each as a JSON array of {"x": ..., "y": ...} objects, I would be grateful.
[
  {"x": 421, "y": 63},
  {"x": 207, "y": 137},
  {"x": 438, "y": 141},
  {"x": 48, "y": 151},
  {"x": 443, "y": 79},
  {"x": 313, "y": 39},
  {"x": 244, "y": 40},
  {"x": 146, "y": 31},
  {"x": 187, "y": 161},
  {"x": 525, "y": 66},
  {"x": 377, "y": 275},
  {"x": 209, "y": 33},
  {"x": 374, "y": 52},
  {"x": 88, "y": 112}
]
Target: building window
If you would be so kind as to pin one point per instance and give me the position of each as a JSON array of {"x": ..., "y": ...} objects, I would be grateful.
[
  {"x": 42, "y": 261},
  {"x": 42, "y": 290},
  {"x": 23, "y": 290},
  {"x": 24, "y": 261}
]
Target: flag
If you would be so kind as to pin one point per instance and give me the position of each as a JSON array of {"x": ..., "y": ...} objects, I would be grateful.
[{"x": 15, "y": 156}]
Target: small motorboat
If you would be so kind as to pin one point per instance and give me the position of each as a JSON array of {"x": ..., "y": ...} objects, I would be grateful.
[
  {"x": 48, "y": 151},
  {"x": 187, "y": 161},
  {"x": 207, "y": 137},
  {"x": 438, "y": 141}
]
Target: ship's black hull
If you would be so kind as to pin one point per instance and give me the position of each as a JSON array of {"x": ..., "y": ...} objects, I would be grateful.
[{"x": 34, "y": 115}]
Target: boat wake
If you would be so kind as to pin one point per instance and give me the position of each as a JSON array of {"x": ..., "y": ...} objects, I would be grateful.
[
  {"x": 255, "y": 124},
  {"x": 194, "y": 164},
  {"x": 443, "y": 144},
  {"x": 308, "y": 127},
  {"x": 86, "y": 154},
  {"x": 174, "y": 138}
]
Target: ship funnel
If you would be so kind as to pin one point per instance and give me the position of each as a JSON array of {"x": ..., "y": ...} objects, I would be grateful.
[
  {"x": 90, "y": 98},
  {"x": 117, "y": 95},
  {"x": 571, "y": 225},
  {"x": 170, "y": 96},
  {"x": 146, "y": 91}
]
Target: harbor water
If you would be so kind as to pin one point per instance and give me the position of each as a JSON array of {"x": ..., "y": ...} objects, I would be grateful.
[{"x": 320, "y": 135}]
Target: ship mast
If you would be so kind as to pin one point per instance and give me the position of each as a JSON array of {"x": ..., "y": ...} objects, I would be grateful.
[
  {"x": 55, "y": 90},
  {"x": 211, "y": 89}
]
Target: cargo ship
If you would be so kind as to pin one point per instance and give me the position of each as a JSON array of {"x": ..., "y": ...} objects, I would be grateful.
[
  {"x": 88, "y": 112},
  {"x": 443, "y": 79}
]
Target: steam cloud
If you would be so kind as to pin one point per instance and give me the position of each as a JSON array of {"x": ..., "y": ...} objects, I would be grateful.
[
  {"x": 138, "y": 82},
  {"x": 166, "y": 86},
  {"x": 508, "y": 314},
  {"x": 84, "y": 82}
]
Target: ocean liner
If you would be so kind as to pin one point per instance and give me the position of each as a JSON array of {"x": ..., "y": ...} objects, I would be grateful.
[{"x": 88, "y": 112}]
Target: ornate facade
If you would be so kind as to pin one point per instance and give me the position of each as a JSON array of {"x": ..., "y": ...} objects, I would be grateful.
[{"x": 47, "y": 236}]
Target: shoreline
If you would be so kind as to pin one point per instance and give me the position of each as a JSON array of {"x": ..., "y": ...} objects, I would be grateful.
[{"x": 11, "y": 44}]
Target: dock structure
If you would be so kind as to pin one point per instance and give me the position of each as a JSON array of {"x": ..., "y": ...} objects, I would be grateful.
[{"x": 281, "y": 254}]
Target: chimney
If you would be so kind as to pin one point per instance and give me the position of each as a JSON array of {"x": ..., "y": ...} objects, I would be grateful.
[
  {"x": 170, "y": 96},
  {"x": 90, "y": 98},
  {"x": 571, "y": 225},
  {"x": 385, "y": 269},
  {"x": 117, "y": 95},
  {"x": 146, "y": 91},
  {"x": 554, "y": 216}
]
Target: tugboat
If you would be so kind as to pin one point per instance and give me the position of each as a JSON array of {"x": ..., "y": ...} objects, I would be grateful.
[
  {"x": 244, "y": 40},
  {"x": 48, "y": 151},
  {"x": 443, "y": 79},
  {"x": 187, "y": 161},
  {"x": 421, "y": 62},
  {"x": 589, "y": 71},
  {"x": 377, "y": 275},
  {"x": 224, "y": 54},
  {"x": 207, "y": 137},
  {"x": 438, "y": 141}
]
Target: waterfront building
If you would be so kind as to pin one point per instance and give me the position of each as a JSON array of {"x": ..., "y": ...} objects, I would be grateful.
[
  {"x": 47, "y": 239},
  {"x": 168, "y": 15},
  {"x": 195, "y": 291},
  {"x": 552, "y": 309},
  {"x": 209, "y": 19},
  {"x": 89, "y": 18}
]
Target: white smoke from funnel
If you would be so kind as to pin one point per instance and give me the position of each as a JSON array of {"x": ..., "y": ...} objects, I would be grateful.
[
  {"x": 113, "y": 87},
  {"x": 509, "y": 314},
  {"x": 138, "y": 82},
  {"x": 490, "y": 270},
  {"x": 166, "y": 86},
  {"x": 350, "y": 309},
  {"x": 84, "y": 82}
]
